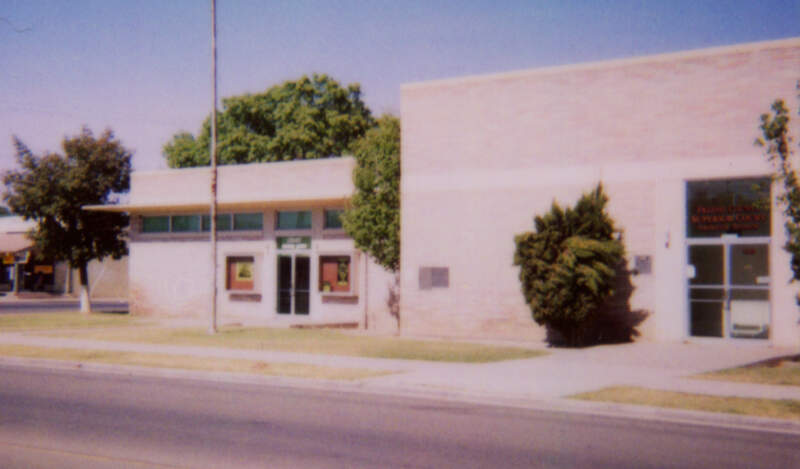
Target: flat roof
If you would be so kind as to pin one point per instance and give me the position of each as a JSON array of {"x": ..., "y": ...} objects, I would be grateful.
[
  {"x": 605, "y": 64},
  {"x": 240, "y": 187}
]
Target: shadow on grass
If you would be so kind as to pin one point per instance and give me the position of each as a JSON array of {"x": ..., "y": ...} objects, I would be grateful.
[
  {"x": 113, "y": 312},
  {"x": 773, "y": 362}
]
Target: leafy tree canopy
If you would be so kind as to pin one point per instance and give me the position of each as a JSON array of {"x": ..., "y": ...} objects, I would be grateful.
[
  {"x": 778, "y": 143},
  {"x": 568, "y": 265},
  {"x": 373, "y": 219},
  {"x": 309, "y": 118},
  {"x": 52, "y": 188}
]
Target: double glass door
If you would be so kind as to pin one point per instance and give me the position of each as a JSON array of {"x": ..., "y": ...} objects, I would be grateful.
[
  {"x": 729, "y": 288},
  {"x": 294, "y": 284}
]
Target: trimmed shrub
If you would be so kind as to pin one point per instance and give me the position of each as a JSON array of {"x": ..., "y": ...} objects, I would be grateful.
[{"x": 568, "y": 265}]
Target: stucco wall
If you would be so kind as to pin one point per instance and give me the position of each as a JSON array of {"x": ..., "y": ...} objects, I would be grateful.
[
  {"x": 482, "y": 155},
  {"x": 170, "y": 278},
  {"x": 107, "y": 279},
  {"x": 171, "y": 275}
]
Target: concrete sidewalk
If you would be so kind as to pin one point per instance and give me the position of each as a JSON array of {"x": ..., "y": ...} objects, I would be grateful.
[
  {"x": 567, "y": 372},
  {"x": 561, "y": 373},
  {"x": 542, "y": 383}
]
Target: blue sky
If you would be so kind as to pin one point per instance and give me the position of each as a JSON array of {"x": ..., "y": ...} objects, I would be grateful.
[{"x": 142, "y": 68}]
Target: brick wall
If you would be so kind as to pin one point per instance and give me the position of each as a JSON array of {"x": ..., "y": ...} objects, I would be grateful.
[{"x": 482, "y": 155}]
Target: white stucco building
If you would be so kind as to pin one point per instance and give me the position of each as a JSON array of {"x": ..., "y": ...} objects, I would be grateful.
[{"x": 283, "y": 257}]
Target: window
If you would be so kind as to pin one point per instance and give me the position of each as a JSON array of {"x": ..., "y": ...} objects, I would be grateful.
[
  {"x": 185, "y": 223},
  {"x": 247, "y": 221},
  {"x": 240, "y": 273},
  {"x": 334, "y": 273},
  {"x": 333, "y": 219},
  {"x": 223, "y": 222},
  {"x": 198, "y": 223},
  {"x": 158, "y": 224},
  {"x": 728, "y": 206},
  {"x": 237, "y": 222},
  {"x": 294, "y": 220}
]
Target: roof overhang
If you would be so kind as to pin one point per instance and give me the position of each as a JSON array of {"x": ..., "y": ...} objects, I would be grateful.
[
  {"x": 246, "y": 187},
  {"x": 14, "y": 242},
  {"x": 221, "y": 206}
]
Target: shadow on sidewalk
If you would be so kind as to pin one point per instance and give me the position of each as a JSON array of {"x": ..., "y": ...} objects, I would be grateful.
[{"x": 614, "y": 323}]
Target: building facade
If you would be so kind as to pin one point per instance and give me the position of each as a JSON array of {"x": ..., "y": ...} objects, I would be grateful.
[
  {"x": 24, "y": 272},
  {"x": 670, "y": 137},
  {"x": 283, "y": 257}
]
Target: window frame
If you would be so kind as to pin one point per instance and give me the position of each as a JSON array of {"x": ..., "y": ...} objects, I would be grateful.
[
  {"x": 205, "y": 223},
  {"x": 236, "y": 223},
  {"x": 200, "y": 223},
  {"x": 230, "y": 260},
  {"x": 278, "y": 226},
  {"x": 738, "y": 206},
  {"x": 192, "y": 219},
  {"x": 154, "y": 217},
  {"x": 352, "y": 274},
  {"x": 325, "y": 225}
]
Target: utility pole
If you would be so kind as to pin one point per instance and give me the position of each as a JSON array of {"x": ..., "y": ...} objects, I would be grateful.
[{"x": 212, "y": 327}]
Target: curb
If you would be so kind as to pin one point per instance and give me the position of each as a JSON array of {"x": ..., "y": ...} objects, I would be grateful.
[{"x": 530, "y": 402}]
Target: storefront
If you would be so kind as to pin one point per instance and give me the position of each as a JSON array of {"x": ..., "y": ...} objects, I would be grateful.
[
  {"x": 21, "y": 270},
  {"x": 283, "y": 257},
  {"x": 728, "y": 241},
  {"x": 36, "y": 274}
]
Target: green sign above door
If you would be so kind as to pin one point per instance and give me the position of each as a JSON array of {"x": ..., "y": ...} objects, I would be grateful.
[{"x": 294, "y": 242}]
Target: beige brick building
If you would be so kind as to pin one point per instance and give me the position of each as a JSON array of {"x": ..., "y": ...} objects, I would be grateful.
[{"x": 671, "y": 139}]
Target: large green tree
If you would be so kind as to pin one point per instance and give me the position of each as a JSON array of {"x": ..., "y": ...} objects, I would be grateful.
[
  {"x": 373, "y": 218},
  {"x": 52, "y": 189},
  {"x": 568, "y": 265},
  {"x": 778, "y": 142},
  {"x": 308, "y": 118}
]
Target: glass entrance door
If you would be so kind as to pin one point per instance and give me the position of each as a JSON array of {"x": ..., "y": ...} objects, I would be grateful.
[
  {"x": 729, "y": 289},
  {"x": 748, "y": 294},
  {"x": 294, "y": 284},
  {"x": 706, "y": 290}
]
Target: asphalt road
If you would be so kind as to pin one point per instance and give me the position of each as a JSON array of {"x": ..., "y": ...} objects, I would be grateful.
[
  {"x": 58, "y": 305},
  {"x": 81, "y": 419}
]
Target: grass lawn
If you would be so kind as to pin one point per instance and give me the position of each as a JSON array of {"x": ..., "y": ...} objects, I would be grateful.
[
  {"x": 317, "y": 341},
  {"x": 294, "y": 370},
  {"x": 63, "y": 320},
  {"x": 783, "y": 409},
  {"x": 785, "y": 371}
]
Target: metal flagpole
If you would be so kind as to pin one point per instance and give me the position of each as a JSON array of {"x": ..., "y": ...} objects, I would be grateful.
[{"x": 212, "y": 327}]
